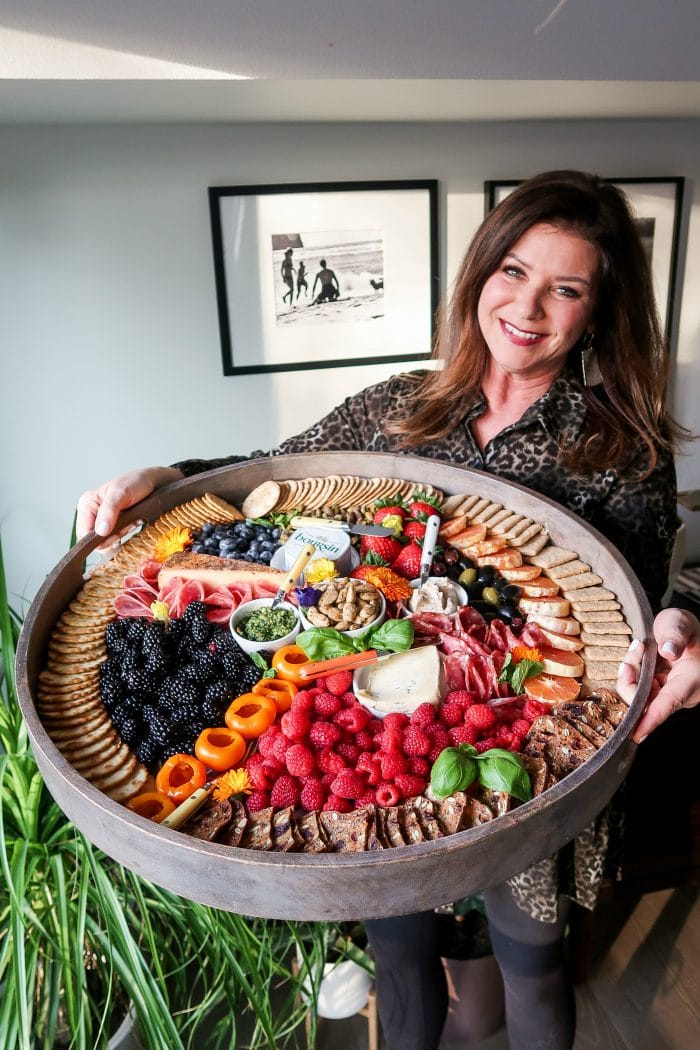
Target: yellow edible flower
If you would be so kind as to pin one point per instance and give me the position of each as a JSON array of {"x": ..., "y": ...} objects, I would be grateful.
[
  {"x": 160, "y": 611},
  {"x": 172, "y": 542},
  {"x": 522, "y": 652},
  {"x": 235, "y": 782},
  {"x": 320, "y": 569}
]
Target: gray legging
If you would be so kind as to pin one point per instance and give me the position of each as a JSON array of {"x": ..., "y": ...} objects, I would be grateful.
[{"x": 411, "y": 987}]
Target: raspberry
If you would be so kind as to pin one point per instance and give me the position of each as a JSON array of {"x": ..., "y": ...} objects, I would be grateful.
[
  {"x": 349, "y": 700},
  {"x": 352, "y": 718},
  {"x": 420, "y": 767},
  {"x": 279, "y": 747},
  {"x": 374, "y": 774},
  {"x": 258, "y": 777},
  {"x": 424, "y": 715},
  {"x": 265, "y": 740},
  {"x": 304, "y": 700},
  {"x": 479, "y": 715},
  {"x": 327, "y": 704},
  {"x": 532, "y": 709},
  {"x": 485, "y": 744},
  {"x": 387, "y": 795},
  {"x": 409, "y": 785},
  {"x": 364, "y": 739},
  {"x": 439, "y": 738},
  {"x": 396, "y": 721},
  {"x": 368, "y": 799},
  {"x": 517, "y": 742},
  {"x": 313, "y": 794},
  {"x": 504, "y": 736},
  {"x": 451, "y": 714},
  {"x": 327, "y": 779},
  {"x": 256, "y": 759},
  {"x": 323, "y": 735},
  {"x": 365, "y": 761},
  {"x": 295, "y": 724},
  {"x": 463, "y": 735},
  {"x": 374, "y": 726},
  {"x": 330, "y": 761},
  {"x": 336, "y": 804},
  {"x": 272, "y": 768},
  {"x": 285, "y": 791},
  {"x": 391, "y": 740},
  {"x": 348, "y": 784},
  {"x": 463, "y": 697},
  {"x": 416, "y": 742},
  {"x": 338, "y": 683},
  {"x": 349, "y": 750},
  {"x": 521, "y": 727},
  {"x": 392, "y": 764},
  {"x": 257, "y": 800},
  {"x": 299, "y": 760}
]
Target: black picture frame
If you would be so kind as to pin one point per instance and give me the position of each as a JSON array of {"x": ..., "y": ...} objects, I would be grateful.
[
  {"x": 657, "y": 202},
  {"x": 380, "y": 241}
]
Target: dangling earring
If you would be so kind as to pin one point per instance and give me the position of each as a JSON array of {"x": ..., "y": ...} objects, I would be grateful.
[{"x": 590, "y": 369}]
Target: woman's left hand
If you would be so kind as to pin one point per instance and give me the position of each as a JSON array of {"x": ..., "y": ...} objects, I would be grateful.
[{"x": 676, "y": 681}]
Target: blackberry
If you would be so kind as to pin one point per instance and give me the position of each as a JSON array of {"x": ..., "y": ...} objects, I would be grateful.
[
  {"x": 212, "y": 713},
  {"x": 181, "y": 691},
  {"x": 129, "y": 665},
  {"x": 112, "y": 702},
  {"x": 156, "y": 663},
  {"x": 141, "y": 681},
  {"x": 157, "y": 725},
  {"x": 127, "y": 726},
  {"x": 115, "y": 639},
  {"x": 153, "y": 638},
  {"x": 200, "y": 632},
  {"x": 148, "y": 752},
  {"x": 180, "y": 745},
  {"x": 196, "y": 612},
  {"x": 111, "y": 688},
  {"x": 133, "y": 704},
  {"x": 136, "y": 628},
  {"x": 218, "y": 692},
  {"x": 202, "y": 668},
  {"x": 232, "y": 664},
  {"x": 185, "y": 714},
  {"x": 222, "y": 640}
]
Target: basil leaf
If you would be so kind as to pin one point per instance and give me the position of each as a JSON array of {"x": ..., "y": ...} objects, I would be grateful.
[
  {"x": 259, "y": 661},
  {"x": 470, "y": 771},
  {"x": 503, "y": 771},
  {"x": 507, "y": 668},
  {"x": 323, "y": 643},
  {"x": 525, "y": 669},
  {"x": 447, "y": 772},
  {"x": 468, "y": 749},
  {"x": 393, "y": 636}
]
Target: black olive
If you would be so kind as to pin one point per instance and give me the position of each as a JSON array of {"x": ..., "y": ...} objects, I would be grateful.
[
  {"x": 474, "y": 593},
  {"x": 511, "y": 592},
  {"x": 487, "y": 574},
  {"x": 466, "y": 563},
  {"x": 499, "y": 583},
  {"x": 487, "y": 611},
  {"x": 438, "y": 569},
  {"x": 450, "y": 556}
]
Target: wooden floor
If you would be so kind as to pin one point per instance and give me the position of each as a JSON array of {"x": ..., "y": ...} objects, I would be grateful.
[{"x": 643, "y": 992}]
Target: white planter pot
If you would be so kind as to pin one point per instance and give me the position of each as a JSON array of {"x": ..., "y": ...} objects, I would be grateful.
[{"x": 344, "y": 990}]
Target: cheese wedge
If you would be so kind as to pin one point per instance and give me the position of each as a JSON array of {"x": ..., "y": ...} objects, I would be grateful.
[
  {"x": 216, "y": 571},
  {"x": 403, "y": 681}
]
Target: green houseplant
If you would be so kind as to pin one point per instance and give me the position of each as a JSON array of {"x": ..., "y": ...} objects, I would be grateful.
[{"x": 82, "y": 938}]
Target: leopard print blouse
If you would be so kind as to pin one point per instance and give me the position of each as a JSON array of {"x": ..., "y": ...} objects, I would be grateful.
[{"x": 638, "y": 517}]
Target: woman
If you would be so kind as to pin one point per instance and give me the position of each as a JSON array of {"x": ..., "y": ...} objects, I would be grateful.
[{"x": 553, "y": 375}]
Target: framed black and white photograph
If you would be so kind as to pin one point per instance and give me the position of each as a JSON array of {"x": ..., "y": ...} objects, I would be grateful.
[
  {"x": 324, "y": 275},
  {"x": 657, "y": 205}
]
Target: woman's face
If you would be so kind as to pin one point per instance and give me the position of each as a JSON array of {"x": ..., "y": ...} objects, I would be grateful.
[{"x": 540, "y": 301}]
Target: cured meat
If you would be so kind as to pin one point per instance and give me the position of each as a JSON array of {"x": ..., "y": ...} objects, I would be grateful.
[
  {"x": 129, "y": 604},
  {"x": 220, "y": 604},
  {"x": 454, "y": 671}
]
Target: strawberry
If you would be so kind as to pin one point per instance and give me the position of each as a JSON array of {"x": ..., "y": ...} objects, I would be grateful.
[
  {"x": 386, "y": 547},
  {"x": 415, "y": 530},
  {"x": 348, "y": 784},
  {"x": 338, "y": 683},
  {"x": 421, "y": 503},
  {"x": 384, "y": 507},
  {"x": 299, "y": 760},
  {"x": 285, "y": 791},
  {"x": 407, "y": 562}
]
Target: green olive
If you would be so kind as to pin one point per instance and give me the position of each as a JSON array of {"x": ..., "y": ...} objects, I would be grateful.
[
  {"x": 490, "y": 595},
  {"x": 466, "y": 577}
]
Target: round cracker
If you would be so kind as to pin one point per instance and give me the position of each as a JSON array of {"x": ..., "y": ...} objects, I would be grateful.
[
  {"x": 134, "y": 783},
  {"x": 262, "y": 500}
]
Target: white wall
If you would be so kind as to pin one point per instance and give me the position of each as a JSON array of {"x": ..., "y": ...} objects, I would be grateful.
[{"x": 109, "y": 337}]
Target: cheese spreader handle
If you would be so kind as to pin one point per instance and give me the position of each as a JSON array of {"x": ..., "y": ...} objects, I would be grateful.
[
  {"x": 191, "y": 804},
  {"x": 294, "y": 573},
  {"x": 349, "y": 662},
  {"x": 429, "y": 541}
]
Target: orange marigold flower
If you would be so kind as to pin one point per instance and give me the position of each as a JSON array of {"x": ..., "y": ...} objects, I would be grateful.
[
  {"x": 171, "y": 542},
  {"x": 235, "y": 782},
  {"x": 523, "y": 652},
  {"x": 393, "y": 587}
]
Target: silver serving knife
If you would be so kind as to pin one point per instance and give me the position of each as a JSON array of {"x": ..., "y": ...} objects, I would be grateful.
[
  {"x": 301, "y": 521},
  {"x": 429, "y": 541}
]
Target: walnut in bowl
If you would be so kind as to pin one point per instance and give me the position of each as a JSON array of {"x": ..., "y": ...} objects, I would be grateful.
[{"x": 347, "y": 605}]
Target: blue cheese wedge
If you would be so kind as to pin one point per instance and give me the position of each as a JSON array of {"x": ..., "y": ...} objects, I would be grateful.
[{"x": 403, "y": 681}]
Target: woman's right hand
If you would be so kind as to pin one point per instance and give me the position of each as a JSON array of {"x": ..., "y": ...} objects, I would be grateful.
[{"x": 99, "y": 508}]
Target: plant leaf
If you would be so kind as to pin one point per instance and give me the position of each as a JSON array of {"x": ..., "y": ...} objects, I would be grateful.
[
  {"x": 452, "y": 771},
  {"x": 323, "y": 643},
  {"x": 393, "y": 636},
  {"x": 503, "y": 771}
]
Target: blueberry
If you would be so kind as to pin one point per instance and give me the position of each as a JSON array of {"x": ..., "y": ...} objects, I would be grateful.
[
  {"x": 206, "y": 530},
  {"x": 265, "y": 557},
  {"x": 198, "y": 548}
]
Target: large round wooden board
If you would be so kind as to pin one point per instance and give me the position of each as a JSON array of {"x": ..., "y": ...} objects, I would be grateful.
[{"x": 340, "y": 886}]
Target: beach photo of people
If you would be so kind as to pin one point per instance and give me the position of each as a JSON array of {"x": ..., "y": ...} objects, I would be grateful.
[{"x": 326, "y": 276}]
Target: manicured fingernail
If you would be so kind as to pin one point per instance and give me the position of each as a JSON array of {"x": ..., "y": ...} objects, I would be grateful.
[
  {"x": 101, "y": 528},
  {"x": 634, "y": 644},
  {"x": 642, "y": 739},
  {"x": 670, "y": 648},
  {"x": 621, "y": 668}
]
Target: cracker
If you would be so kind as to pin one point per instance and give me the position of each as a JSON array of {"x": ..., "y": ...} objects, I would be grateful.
[
  {"x": 598, "y": 654},
  {"x": 263, "y": 499},
  {"x": 505, "y": 524},
  {"x": 535, "y": 545},
  {"x": 481, "y": 504},
  {"x": 601, "y": 671},
  {"x": 452, "y": 503},
  {"x": 569, "y": 568},
  {"x": 615, "y": 641},
  {"x": 552, "y": 557},
  {"x": 581, "y": 580},
  {"x": 225, "y": 512},
  {"x": 521, "y": 538},
  {"x": 595, "y": 627},
  {"x": 597, "y": 615},
  {"x": 582, "y": 594},
  {"x": 131, "y": 786},
  {"x": 497, "y": 517}
]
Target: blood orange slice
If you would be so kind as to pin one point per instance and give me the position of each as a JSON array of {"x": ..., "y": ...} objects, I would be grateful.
[{"x": 551, "y": 688}]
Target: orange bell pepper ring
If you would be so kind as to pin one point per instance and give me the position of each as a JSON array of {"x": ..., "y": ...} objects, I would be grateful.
[
  {"x": 153, "y": 805},
  {"x": 250, "y": 714},
  {"x": 180, "y": 776},
  {"x": 220, "y": 748},
  {"x": 287, "y": 661},
  {"x": 278, "y": 689}
]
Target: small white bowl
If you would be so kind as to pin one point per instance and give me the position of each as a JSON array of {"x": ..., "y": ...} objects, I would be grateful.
[
  {"x": 358, "y": 630},
  {"x": 459, "y": 591},
  {"x": 245, "y": 610}
]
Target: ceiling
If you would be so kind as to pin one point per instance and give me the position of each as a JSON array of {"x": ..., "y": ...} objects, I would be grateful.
[{"x": 81, "y": 60}]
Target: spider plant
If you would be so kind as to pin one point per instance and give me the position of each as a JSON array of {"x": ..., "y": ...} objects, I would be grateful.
[{"x": 81, "y": 937}]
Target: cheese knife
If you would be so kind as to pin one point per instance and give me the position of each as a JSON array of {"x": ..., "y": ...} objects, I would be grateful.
[{"x": 301, "y": 521}]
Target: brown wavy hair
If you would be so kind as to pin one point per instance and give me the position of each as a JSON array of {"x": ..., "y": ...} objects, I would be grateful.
[{"x": 629, "y": 403}]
